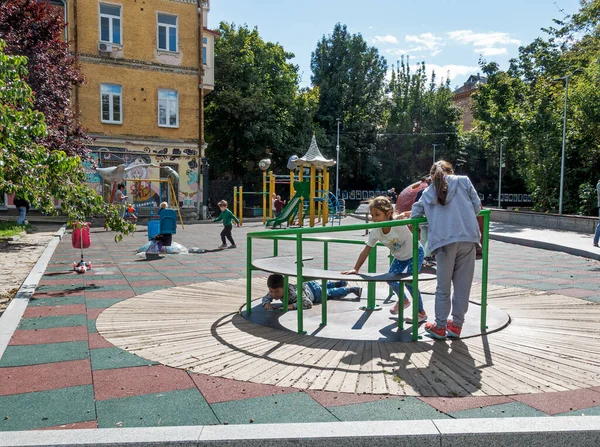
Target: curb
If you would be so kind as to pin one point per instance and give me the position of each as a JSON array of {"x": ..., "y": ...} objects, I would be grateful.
[
  {"x": 546, "y": 246},
  {"x": 582, "y": 431},
  {"x": 9, "y": 321}
]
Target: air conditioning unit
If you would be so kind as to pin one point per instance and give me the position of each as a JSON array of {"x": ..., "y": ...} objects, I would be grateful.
[{"x": 104, "y": 47}]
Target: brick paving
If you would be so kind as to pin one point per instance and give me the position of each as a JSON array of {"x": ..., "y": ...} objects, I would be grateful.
[{"x": 59, "y": 373}]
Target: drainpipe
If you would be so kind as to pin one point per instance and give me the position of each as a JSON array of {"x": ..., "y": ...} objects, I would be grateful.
[
  {"x": 201, "y": 145},
  {"x": 75, "y": 50}
]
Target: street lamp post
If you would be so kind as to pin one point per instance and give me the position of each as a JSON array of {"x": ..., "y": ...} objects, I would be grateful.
[
  {"x": 337, "y": 161},
  {"x": 500, "y": 179},
  {"x": 564, "y": 137},
  {"x": 434, "y": 146}
]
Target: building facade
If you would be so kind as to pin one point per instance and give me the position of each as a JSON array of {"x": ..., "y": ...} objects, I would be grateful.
[
  {"x": 148, "y": 65},
  {"x": 462, "y": 98}
]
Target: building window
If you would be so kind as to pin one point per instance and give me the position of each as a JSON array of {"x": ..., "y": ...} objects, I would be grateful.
[
  {"x": 167, "y": 32},
  {"x": 204, "y": 45},
  {"x": 111, "y": 103},
  {"x": 168, "y": 108},
  {"x": 110, "y": 23}
]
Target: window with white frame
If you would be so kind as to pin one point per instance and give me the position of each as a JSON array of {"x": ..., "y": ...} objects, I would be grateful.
[
  {"x": 168, "y": 108},
  {"x": 111, "y": 104},
  {"x": 204, "y": 45},
  {"x": 167, "y": 32},
  {"x": 110, "y": 23}
]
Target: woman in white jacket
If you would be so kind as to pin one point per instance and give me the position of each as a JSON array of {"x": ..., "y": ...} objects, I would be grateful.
[{"x": 451, "y": 205}]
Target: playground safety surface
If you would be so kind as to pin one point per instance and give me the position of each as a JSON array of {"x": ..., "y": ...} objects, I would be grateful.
[{"x": 136, "y": 343}]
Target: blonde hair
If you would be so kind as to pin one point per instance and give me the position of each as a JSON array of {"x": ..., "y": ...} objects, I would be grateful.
[
  {"x": 164, "y": 205},
  {"x": 223, "y": 203},
  {"x": 439, "y": 171},
  {"x": 381, "y": 203}
]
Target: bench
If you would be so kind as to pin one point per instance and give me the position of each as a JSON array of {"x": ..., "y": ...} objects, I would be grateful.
[{"x": 286, "y": 266}]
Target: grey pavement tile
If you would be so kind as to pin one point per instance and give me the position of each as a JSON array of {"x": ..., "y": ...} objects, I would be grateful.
[
  {"x": 283, "y": 408},
  {"x": 393, "y": 409},
  {"x": 510, "y": 410},
  {"x": 181, "y": 407},
  {"x": 41, "y": 409},
  {"x": 22, "y": 355},
  {"x": 52, "y": 322},
  {"x": 593, "y": 411},
  {"x": 102, "y": 303},
  {"x": 111, "y": 358},
  {"x": 58, "y": 301}
]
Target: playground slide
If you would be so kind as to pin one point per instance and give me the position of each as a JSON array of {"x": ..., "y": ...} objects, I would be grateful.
[{"x": 289, "y": 211}]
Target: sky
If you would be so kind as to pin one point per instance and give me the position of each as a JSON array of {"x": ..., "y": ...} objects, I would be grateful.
[{"x": 449, "y": 35}]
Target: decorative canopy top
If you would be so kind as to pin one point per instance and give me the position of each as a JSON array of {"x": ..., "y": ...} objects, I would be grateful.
[{"x": 313, "y": 157}]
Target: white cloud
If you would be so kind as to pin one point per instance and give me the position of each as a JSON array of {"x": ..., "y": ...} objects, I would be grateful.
[
  {"x": 385, "y": 39},
  {"x": 425, "y": 41},
  {"x": 426, "y": 44},
  {"x": 490, "y": 51},
  {"x": 448, "y": 71},
  {"x": 482, "y": 39}
]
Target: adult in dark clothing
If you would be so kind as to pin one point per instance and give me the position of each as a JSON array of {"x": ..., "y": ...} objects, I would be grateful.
[
  {"x": 22, "y": 206},
  {"x": 393, "y": 195}
]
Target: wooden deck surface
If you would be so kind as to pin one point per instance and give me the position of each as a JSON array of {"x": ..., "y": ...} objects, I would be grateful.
[{"x": 551, "y": 344}]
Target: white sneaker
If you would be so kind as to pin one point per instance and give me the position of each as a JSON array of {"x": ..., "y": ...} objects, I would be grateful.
[{"x": 223, "y": 246}]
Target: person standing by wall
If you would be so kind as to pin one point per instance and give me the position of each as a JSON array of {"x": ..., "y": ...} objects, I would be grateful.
[
  {"x": 22, "y": 206},
  {"x": 597, "y": 234}
]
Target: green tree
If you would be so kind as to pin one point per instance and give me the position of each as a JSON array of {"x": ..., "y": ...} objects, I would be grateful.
[
  {"x": 350, "y": 77},
  {"x": 523, "y": 107},
  {"x": 256, "y": 105},
  {"x": 421, "y": 113},
  {"x": 31, "y": 171}
]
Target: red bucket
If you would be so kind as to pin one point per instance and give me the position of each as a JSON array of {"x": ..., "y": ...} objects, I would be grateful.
[{"x": 81, "y": 235}]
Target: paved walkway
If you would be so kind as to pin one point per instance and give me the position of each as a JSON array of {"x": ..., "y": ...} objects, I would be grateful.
[{"x": 59, "y": 372}]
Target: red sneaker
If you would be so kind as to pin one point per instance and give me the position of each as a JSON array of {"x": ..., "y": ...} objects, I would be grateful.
[
  {"x": 453, "y": 330},
  {"x": 436, "y": 332}
]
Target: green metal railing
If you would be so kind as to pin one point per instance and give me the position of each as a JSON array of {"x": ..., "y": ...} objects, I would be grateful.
[{"x": 299, "y": 236}]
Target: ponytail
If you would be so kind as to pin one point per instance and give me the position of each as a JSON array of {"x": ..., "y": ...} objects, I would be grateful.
[{"x": 438, "y": 172}]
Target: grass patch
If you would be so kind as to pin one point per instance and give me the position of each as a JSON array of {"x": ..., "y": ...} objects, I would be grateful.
[{"x": 8, "y": 229}]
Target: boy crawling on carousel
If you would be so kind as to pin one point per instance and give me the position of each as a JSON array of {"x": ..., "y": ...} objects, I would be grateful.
[{"x": 311, "y": 292}]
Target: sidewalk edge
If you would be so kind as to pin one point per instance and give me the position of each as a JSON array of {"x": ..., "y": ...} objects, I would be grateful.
[
  {"x": 546, "y": 246},
  {"x": 10, "y": 319},
  {"x": 582, "y": 431}
]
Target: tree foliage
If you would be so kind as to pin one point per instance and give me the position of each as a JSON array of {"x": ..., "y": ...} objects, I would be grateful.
[
  {"x": 256, "y": 105},
  {"x": 31, "y": 171},
  {"x": 350, "y": 77},
  {"x": 421, "y": 113},
  {"x": 523, "y": 107},
  {"x": 35, "y": 29}
]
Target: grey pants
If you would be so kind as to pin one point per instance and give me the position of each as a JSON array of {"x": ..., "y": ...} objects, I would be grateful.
[{"x": 455, "y": 267}]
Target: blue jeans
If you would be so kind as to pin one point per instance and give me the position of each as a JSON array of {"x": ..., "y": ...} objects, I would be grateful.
[
  {"x": 405, "y": 266},
  {"x": 22, "y": 213},
  {"x": 597, "y": 233},
  {"x": 336, "y": 289}
]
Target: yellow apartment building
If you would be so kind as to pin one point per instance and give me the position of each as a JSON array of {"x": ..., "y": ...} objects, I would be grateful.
[{"x": 143, "y": 97}]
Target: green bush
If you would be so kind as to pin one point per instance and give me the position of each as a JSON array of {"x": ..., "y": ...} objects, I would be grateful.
[{"x": 588, "y": 200}]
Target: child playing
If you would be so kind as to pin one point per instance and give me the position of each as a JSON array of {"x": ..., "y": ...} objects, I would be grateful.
[
  {"x": 311, "y": 292},
  {"x": 130, "y": 213},
  {"x": 399, "y": 241},
  {"x": 227, "y": 217},
  {"x": 451, "y": 205}
]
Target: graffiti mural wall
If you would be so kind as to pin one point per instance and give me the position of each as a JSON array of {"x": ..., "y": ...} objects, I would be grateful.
[{"x": 184, "y": 161}]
